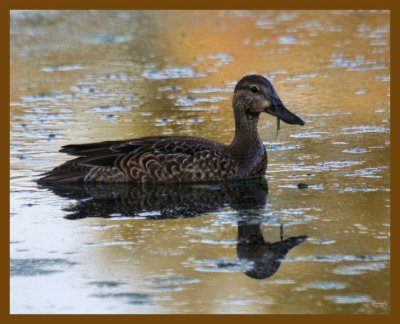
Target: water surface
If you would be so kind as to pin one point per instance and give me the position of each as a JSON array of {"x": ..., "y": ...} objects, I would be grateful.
[{"x": 314, "y": 238}]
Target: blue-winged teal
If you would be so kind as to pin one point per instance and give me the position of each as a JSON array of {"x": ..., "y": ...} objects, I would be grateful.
[{"x": 168, "y": 159}]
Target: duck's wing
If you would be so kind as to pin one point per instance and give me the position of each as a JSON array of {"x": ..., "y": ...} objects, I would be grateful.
[
  {"x": 99, "y": 154},
  {"x": 156, "y": 159},
  {"x": 178, "y": 159},
  {"x": 110, "y": 147}
]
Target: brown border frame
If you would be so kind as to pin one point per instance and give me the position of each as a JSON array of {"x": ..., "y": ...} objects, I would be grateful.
[{"x": 7, "y": 5}]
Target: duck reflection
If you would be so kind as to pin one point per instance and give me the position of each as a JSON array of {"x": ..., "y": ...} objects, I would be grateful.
[
  {"x": 160, "y": 201},
  {"x": 157, "y": 202},
  {"x": 265, "y": 257}
]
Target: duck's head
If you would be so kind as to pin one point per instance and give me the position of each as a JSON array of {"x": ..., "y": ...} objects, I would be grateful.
[{"x": 255, "y": 94}]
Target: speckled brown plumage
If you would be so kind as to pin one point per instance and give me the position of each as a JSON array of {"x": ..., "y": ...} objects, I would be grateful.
[{"x": 171, "y": 159}]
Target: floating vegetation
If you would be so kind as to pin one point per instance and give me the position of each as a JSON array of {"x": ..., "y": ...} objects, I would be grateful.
[{"x": 278, "y": 126}]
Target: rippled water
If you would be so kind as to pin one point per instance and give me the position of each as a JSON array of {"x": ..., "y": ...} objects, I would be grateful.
[{"x": 314, "y": 239}]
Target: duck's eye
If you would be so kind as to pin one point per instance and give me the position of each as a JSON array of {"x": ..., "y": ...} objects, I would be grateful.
[{"x": 254, "y": 89}]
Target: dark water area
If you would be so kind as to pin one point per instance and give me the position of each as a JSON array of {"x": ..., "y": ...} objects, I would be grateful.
[{"x": 313, "y": 237}]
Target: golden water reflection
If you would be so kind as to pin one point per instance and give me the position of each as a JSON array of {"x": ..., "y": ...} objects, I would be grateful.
[{"x": 82, "y": 76}]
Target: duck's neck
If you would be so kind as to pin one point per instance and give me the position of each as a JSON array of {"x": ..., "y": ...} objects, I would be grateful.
[
  {"x": 250, "y": 233},
  {"x": 246, "y": 140}
]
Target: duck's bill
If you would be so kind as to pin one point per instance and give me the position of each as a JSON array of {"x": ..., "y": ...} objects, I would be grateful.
[{"x": 277, "y": 109}]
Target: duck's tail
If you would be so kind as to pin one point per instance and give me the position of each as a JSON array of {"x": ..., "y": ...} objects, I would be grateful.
[{"x": 67, "y": 172}]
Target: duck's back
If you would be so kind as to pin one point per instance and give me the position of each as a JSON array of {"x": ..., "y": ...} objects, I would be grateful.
[{"x": 164, "y": 159}]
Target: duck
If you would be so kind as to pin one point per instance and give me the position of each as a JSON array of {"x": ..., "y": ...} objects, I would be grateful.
[{"x": 182, "y": 159}]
